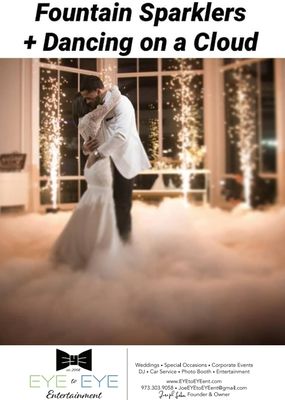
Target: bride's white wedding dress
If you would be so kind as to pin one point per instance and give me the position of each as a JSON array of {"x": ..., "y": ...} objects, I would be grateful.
[
  {"x": 91, "y": 235},
  {"x": 92, "y": 228}
]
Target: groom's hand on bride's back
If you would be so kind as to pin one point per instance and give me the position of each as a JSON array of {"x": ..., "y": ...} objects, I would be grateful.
[{"x": 90, "y": 145}]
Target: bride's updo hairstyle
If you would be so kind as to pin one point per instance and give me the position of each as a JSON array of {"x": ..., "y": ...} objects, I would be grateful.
[{"x": 79, "y": 108}]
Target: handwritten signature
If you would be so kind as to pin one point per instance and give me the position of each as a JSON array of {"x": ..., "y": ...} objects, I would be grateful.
[{"x": 170, "y": 395}]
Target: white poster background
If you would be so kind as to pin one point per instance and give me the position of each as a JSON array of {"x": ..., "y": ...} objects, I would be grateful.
[{"x": 17, "y": 23}]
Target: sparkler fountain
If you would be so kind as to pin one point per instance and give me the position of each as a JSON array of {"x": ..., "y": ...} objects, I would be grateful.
[
  {"x": 154, "y": 140},
  {"x": 50, "y": 138},
  {"x": 188, "y": 118},
  {"x": 244, "y": 109}
]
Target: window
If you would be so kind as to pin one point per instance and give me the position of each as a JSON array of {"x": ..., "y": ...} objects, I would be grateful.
[
  {"x": 152, "y": 85},
  {"x": 254, "y": 81},
  {"x": 59, "y": 83}
]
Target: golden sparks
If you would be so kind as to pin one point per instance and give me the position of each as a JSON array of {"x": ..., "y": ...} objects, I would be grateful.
[
  {"x": 242, "y": 94},
  {"x": 188, "y": 96},
  {"x": 50, "y": 133}
]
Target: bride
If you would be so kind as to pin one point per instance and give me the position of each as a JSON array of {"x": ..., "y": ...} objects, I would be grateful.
[{"x": 91, "y": 231}]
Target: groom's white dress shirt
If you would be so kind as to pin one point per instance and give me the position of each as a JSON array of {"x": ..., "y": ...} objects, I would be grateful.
[{"x": 120, "y": 139}]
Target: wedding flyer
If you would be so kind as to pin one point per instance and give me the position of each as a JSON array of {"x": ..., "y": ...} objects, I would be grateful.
[{"x": 142, "y": 200}]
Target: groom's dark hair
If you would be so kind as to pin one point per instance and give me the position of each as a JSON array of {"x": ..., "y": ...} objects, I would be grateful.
[{"x": 91, "y": 83}]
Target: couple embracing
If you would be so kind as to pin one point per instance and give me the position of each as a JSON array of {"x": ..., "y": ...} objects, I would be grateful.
[{"x": 101, "y": 221}]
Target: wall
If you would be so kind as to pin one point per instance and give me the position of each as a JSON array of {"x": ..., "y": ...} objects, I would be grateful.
[
  {"x": 16, "y": 111},
  {"x": 10, "y": 110}
]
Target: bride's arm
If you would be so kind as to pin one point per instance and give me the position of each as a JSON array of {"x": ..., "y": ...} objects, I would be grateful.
[
  {"x": 102, "y": 110},
  {"x": 90, "y": 124}
]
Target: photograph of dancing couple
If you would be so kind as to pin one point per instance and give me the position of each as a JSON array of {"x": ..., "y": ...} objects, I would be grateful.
[{"x": 142, "y": 201}]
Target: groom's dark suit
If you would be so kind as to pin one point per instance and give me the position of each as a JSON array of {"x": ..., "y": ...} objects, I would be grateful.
[{"x": 121, "y": 142}]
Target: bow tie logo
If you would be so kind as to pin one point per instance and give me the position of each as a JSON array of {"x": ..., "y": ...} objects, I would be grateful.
[{"x": 64, "y": 360}]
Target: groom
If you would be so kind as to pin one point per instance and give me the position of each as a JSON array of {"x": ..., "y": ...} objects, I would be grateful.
[{"x": 118, "y": 139}]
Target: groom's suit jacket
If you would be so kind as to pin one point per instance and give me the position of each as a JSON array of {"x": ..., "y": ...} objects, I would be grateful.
[{"x": 121, "y": 140}]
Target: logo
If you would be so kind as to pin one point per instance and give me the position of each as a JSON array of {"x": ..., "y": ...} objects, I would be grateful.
[{"x": 64, "y": 360}]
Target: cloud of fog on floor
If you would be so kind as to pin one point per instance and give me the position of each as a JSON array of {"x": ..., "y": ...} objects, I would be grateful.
[{"x": 193, "y": 275}]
